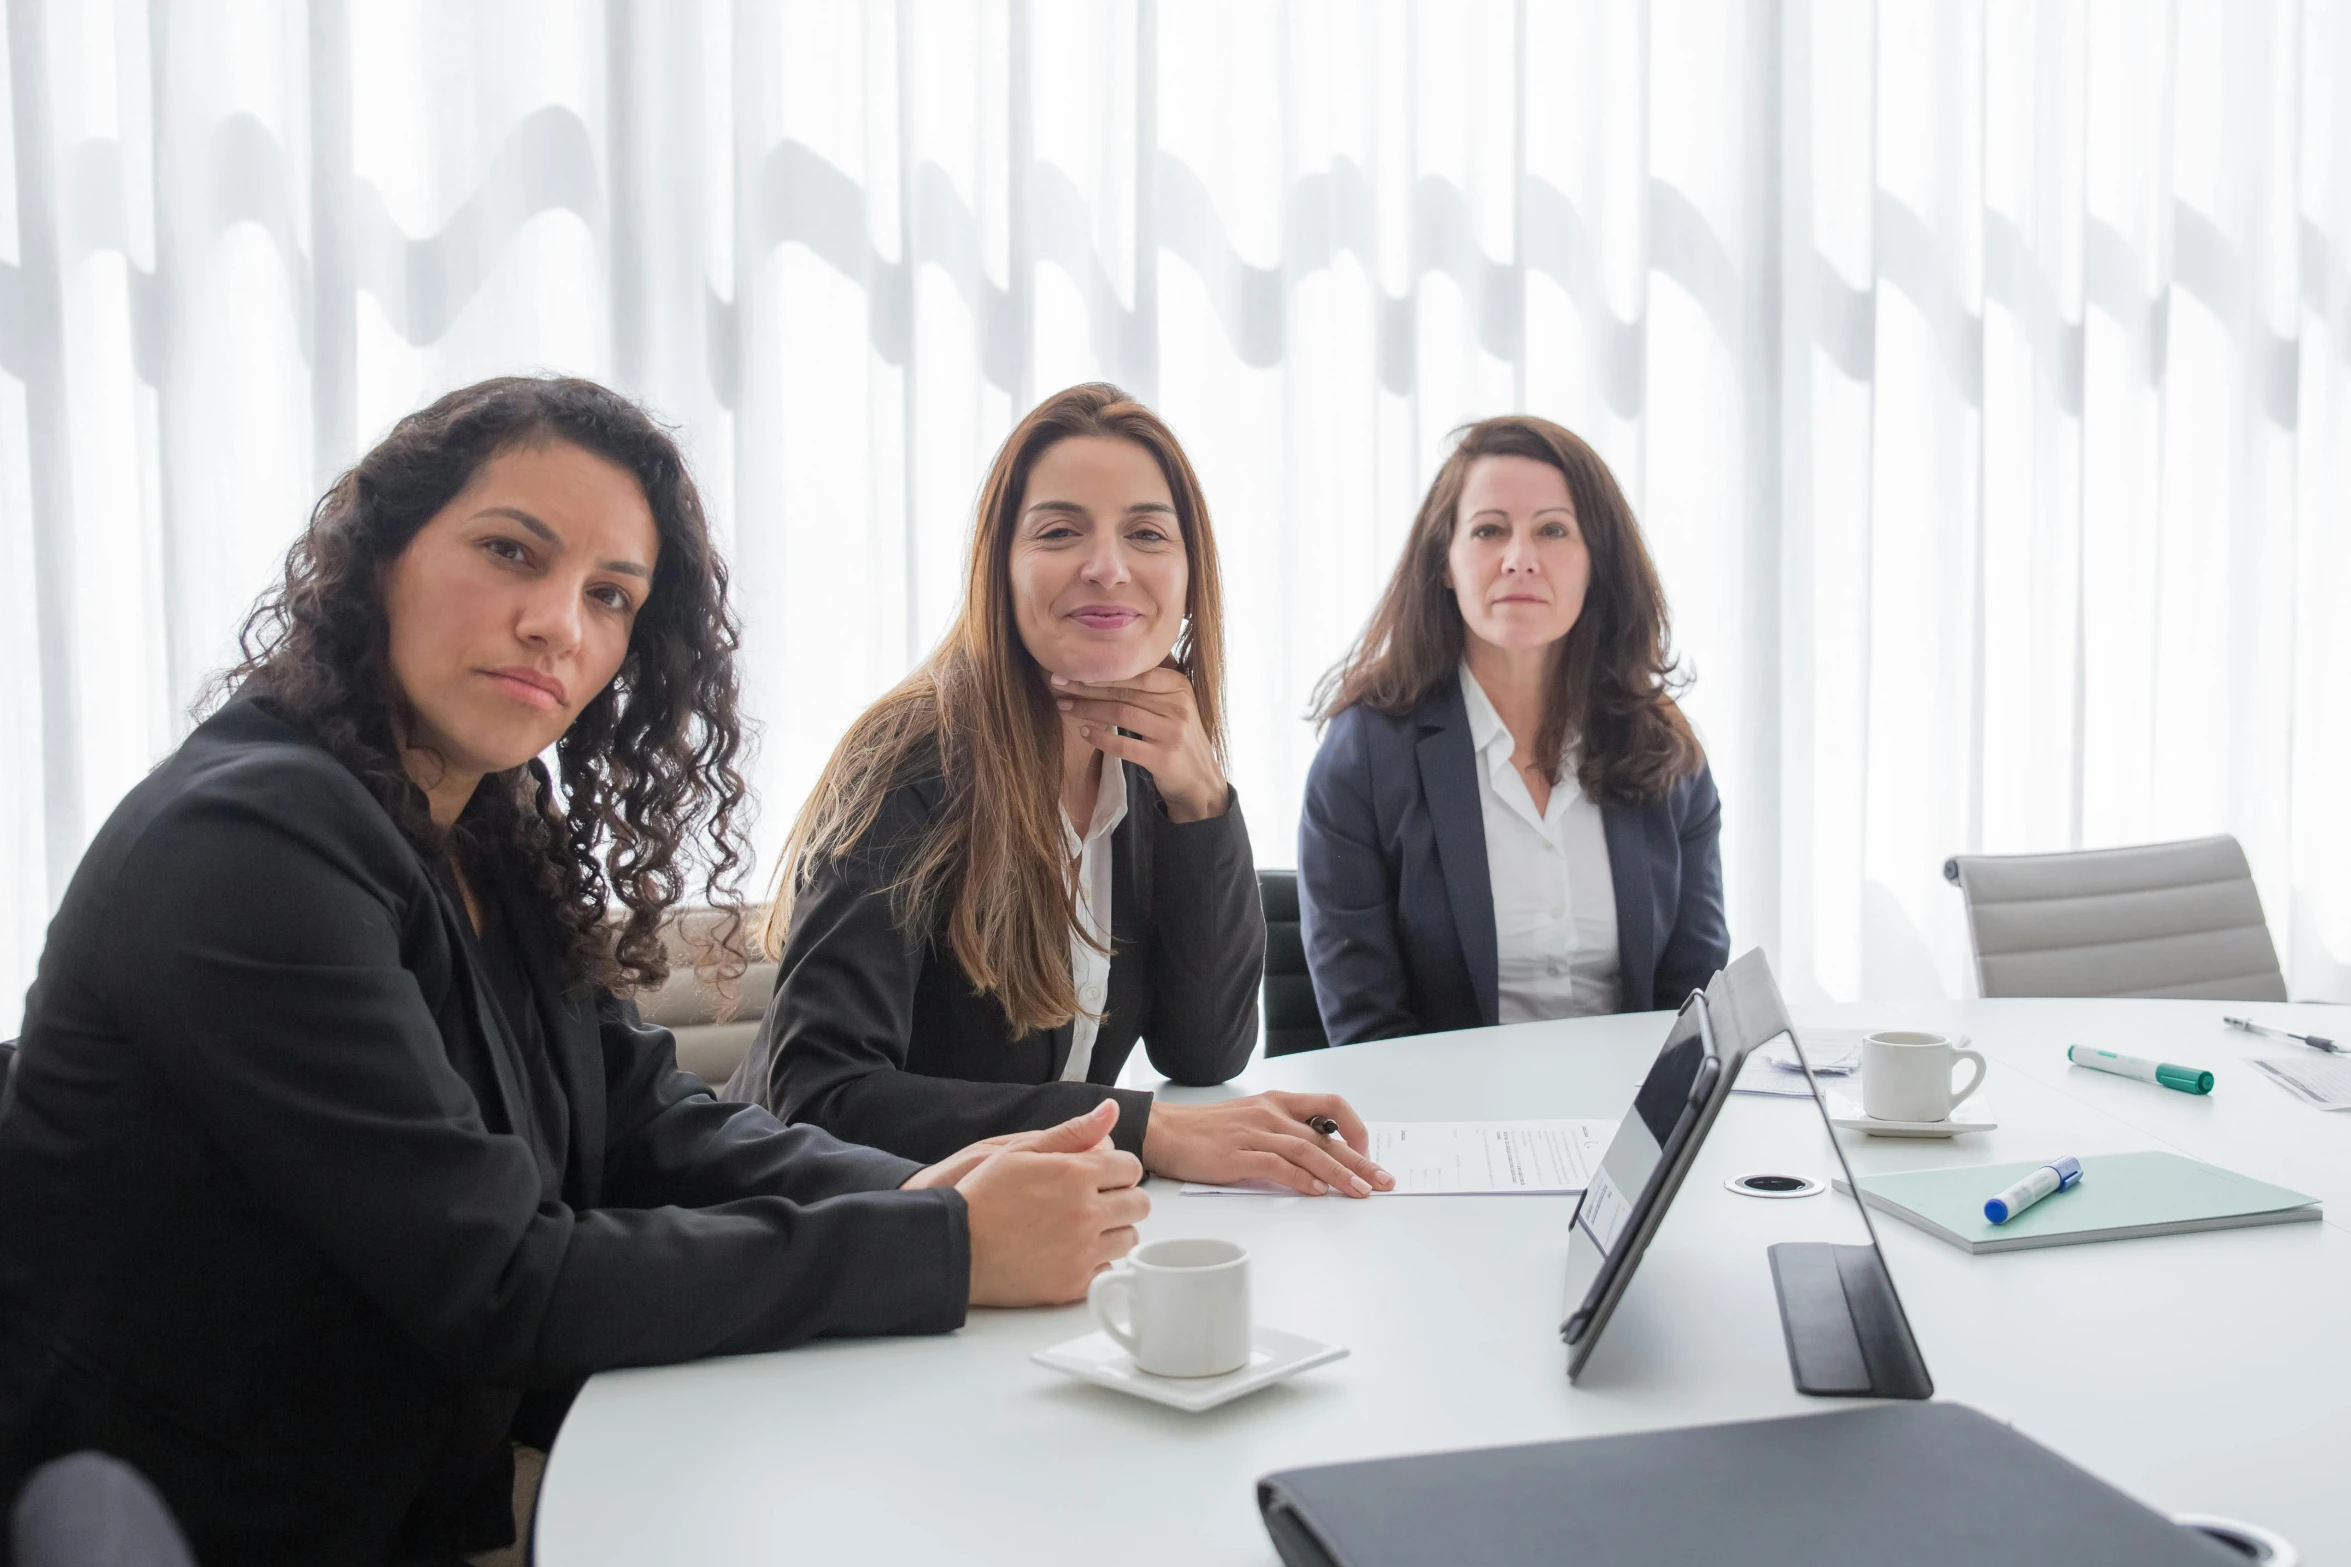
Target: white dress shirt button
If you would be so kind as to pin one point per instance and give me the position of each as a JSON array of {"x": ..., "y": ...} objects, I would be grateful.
[
  {"x": 1549, "y": 876},
  {"x": 1089, "y": 966}
]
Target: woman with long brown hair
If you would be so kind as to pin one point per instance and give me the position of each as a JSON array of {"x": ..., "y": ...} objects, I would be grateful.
[
  {"x": 1026, "y": 856},
  {"x": 331, "y": 1140},
  {"x": 1509, "y": 818}
]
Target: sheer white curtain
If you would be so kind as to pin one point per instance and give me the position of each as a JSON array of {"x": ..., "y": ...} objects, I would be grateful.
[{"x": 1981, "y": 372}]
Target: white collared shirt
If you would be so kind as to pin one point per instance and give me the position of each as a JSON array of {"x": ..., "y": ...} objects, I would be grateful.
[
  {"x": 1089, "y": 968},
  {"x": 1554, "y": 894}
]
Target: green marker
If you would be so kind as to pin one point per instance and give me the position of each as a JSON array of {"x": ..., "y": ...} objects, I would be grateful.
[{"x": 2187, "y": 1079}]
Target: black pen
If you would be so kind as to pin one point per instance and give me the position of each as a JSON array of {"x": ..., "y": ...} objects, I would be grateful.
[
  {"x": 1329, "y": 1127},
  {"x": 2314, "y": 1041}
]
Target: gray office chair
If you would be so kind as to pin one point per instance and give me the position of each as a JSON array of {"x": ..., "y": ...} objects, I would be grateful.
[
  {"x": 91, "y": 1510},
  {"x": 2156, "y": 919},
  {"x": 1292, "y": 1020}
]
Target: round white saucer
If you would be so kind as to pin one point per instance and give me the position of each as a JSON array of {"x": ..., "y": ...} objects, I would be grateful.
[
  {"x": 1273, "y": 1355},
  {"x": 1844, "y": 1112}
]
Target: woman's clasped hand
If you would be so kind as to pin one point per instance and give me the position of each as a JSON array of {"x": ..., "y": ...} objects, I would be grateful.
[{"x": 1048, "y": 1210}]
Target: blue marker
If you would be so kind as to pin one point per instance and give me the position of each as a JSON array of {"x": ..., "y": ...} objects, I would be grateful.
[{"x": 2058, "y": 1175}]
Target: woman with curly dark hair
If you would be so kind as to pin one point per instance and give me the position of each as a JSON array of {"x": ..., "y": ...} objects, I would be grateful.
[
  {"x": 335, "y": 1158},
  {"x": 1510, "y": 818}
]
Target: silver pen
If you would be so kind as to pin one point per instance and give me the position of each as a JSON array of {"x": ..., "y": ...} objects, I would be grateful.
[{"x": 2314, "y": 1041}]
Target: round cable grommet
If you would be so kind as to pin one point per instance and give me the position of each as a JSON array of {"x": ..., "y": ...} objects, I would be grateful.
[
  {"x": 1765, "y": 1183},
  {"x": 2248, "y": 1540}
]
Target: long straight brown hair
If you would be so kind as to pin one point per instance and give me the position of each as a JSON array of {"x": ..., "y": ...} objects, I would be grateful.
[
  {"x": 979, "y": 704},
  {"x": 1612, "y": 679}
]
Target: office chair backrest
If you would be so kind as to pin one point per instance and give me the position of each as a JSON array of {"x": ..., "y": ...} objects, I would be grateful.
[
  {"x": 1292, "y": 1021},
  {"x": 2157, "y": 919},
  {"x": 92, "y": 1510}
]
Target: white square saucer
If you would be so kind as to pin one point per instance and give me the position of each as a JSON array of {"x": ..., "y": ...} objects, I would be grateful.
[
  {"x": 1845, "y": 1112},
  {"x": 1273, "y": 1355}
]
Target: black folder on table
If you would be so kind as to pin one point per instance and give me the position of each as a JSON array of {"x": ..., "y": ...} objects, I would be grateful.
[{"x": 1926, "y": 1485}]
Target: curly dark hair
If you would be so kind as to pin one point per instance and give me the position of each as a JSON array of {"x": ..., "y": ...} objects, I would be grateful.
[
  {"x": 649, "y": 763},
  {"x": 1613, "y": 678}
]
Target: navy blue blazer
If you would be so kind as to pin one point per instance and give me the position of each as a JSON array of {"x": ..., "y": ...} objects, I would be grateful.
[{"x": 1397, "y": 906}]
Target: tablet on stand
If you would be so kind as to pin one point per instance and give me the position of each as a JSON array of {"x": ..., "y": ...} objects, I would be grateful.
[{"x": 1846, "y": 1331}]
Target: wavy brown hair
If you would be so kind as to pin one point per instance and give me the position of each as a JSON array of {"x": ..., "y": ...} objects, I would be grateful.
[
  {"x": 647, "y": 767},
  {"x": 1613, "y": 680},
  {"x": 978, "y": 716}
]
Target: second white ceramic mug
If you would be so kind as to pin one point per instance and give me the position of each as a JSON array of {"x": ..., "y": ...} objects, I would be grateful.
[
  {"x": 1186, "y": 1307},
  {"x": 1907, "y": 1076}
]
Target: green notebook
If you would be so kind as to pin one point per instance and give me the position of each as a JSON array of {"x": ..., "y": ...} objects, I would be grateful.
[{"x": 2121, "y": 1196}]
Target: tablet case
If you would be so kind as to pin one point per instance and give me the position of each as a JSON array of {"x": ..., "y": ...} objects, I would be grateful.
[{"x": 1926, "y": 1485}]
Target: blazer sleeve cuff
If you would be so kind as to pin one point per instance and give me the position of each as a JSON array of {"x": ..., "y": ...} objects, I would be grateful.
[
  {"x": 877, "y": 1171},
  {"x": 1225, "y": 820},
  {"x": 958, "y": 1302},
  {"x": 1134, "y": 1119},
  {"x": 1209, "y": 850},
  {"x": 934, "y": 1292}
]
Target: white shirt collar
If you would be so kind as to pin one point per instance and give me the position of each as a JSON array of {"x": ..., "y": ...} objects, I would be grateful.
[
  {"x": 1490, "y": 738},
  {"x": 1485, "y": 724}
]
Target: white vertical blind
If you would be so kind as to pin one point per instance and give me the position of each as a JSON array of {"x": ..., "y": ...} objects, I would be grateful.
[{"x": 1981, "y": 371}]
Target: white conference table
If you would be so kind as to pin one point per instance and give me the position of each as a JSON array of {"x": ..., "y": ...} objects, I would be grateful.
[{"x": 2201, "y": 1373}]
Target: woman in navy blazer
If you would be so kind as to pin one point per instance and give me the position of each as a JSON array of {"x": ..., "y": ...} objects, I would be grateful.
[{"x": 1524, "y": 620}]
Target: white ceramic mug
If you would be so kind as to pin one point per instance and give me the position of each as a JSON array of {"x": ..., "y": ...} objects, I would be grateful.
[
  {"x": 1186, "y": 1307},
  {"x": 1907, "y": 1077}
]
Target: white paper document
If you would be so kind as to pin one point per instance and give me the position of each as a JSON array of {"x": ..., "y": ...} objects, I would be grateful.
[
  {"x": 2323, "y": 1081},
  {"x": 1760, "y": 1076},
  {"x": 1465, "y": 1158},
  {"x": 1835, "y": 1052}
]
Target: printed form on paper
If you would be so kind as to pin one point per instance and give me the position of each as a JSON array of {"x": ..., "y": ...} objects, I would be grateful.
[{"x": 1471, "y": 1158}]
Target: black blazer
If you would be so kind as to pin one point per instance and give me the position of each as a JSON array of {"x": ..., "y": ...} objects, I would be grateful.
[
  {"x": 1397, "y": 905},
  {"x": 262, "y": 1241},
  {"x": 877, "y": 1035}
]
